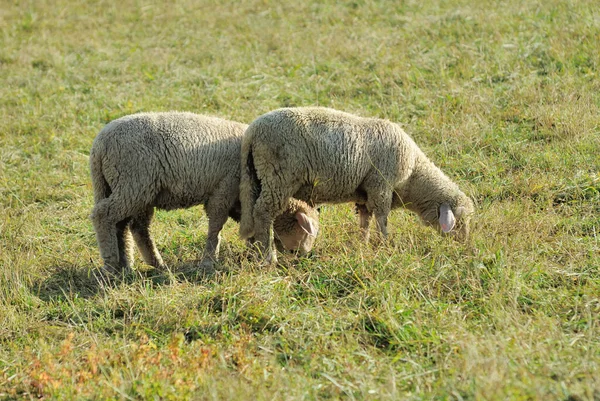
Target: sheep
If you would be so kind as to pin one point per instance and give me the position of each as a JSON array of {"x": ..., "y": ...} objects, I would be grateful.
[
  {"x": 172, "y": 160},
  {"x": 321, "y": 155}
]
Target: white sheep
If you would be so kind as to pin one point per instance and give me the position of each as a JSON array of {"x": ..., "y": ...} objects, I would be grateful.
[
  {"x": 172, "y": 160},
  {"x": 321, "y": 155}
]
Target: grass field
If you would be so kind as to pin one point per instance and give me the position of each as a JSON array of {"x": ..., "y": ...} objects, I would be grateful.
[{"x": 503, "y": 95}]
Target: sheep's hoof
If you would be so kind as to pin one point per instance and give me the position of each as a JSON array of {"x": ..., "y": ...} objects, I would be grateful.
[
  {"x": 270, "y": 260},
  {"x": 161, "y": 267}
]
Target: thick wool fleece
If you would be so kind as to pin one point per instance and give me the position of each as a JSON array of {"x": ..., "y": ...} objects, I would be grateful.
[
  {"x": 166, "y": 160},
  {"x": 321, "y": 155}
]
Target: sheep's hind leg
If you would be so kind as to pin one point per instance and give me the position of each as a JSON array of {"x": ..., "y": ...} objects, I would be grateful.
[
  {"x": 263, "y": 235},
  {"x": 277, "y": 188},
  {"x": 140, "y": 227},
  {"x": 110, "y": 224},
  {"x": 125, "y": 244},
  {"x": 268, "y": 206},
  {"x": 106, "y": 236}
]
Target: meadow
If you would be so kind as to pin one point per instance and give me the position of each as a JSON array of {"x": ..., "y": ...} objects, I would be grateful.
[{"x": 503, "y": 95}]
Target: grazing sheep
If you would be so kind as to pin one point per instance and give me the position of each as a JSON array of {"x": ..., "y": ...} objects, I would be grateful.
[
  {"x": 171, "y": 160},
  {"x": 321, "y": 155}
]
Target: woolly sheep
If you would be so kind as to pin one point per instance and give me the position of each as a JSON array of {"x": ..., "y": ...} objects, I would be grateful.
[
  {"x": 320, "y": 155},
  {"x": 172, "y": 160}
]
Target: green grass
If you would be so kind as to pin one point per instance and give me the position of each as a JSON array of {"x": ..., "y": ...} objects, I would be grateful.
[{"x": 503, "y": 95}]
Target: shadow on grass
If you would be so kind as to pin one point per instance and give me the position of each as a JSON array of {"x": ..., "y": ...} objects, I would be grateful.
[
  {"x": 67, "y": 282},
  {"x": 70, "y": 281}
]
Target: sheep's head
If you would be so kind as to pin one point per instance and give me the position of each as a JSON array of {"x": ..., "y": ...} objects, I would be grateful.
[
  {"x": 296, "y": 228},
  {"x": 451, "y": 217},
  {"x": 454, "y": 218}
]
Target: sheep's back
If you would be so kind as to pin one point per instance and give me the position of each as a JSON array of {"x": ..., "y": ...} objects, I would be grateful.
[
  {"x": 330, "y": 151},
  {"x": 185, "y": 155}
]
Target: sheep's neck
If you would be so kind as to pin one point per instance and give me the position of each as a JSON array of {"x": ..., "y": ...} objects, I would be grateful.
[{"x": 426, "y": 185}]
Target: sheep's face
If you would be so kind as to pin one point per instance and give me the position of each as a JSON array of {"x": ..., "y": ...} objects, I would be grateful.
[
  {"x": 296, "y": 231},
  {"x": 452, "y": 218},
  {"x": 455, "y": 220}
]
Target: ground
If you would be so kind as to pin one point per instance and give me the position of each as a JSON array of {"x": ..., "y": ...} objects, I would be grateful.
[{"x": 504, "y": 96}]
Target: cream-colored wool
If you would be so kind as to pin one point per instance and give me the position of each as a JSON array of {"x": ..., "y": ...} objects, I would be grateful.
[
  {"x": 170, "y": 160},
  {"x": 320, "y": 155}
]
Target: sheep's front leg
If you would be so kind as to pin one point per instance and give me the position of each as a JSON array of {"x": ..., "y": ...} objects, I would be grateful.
[
  {"x": 380, "y": 205},
  {"x": 364, "y": 218},
  {"x": 381, "y": 219}
]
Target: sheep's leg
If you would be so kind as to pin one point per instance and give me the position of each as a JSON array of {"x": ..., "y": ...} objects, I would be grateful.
[
  {"x": 216, "y": 221},
  {"x": 140, "y": 227},
  {"x": 217, "y": 209},
  {"x": 110, "y": 221},
  {"x": 279, "y": 181},
  {"x": 263, "y": 235},
  {"x": 380, "y": 205},
  {"x": 125, "y": 244},
  {"x": 110, "y": 218},
  {"x": 106, "y": 236},
  {"x": 381, "y": 219},
  {"x": 268, "y": 206},
  {"x": 364, "y": 218}
]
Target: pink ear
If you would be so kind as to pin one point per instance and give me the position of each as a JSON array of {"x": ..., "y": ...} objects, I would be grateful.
[
  {"x": 307, "y": 224},
  {"x": 446, "y": 220}
]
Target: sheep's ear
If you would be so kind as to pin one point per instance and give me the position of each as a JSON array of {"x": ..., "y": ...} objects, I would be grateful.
[
  {"x": 307, "y": 224},
  {"x": 447, "y": 220}
]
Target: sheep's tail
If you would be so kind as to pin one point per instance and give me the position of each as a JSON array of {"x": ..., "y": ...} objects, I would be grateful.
[
  {"x": 250, "y": 189},
  {"x": 99, "y": 183}
]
